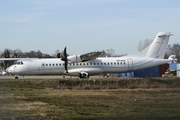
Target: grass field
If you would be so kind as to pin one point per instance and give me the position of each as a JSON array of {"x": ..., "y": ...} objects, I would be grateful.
[{"x": 90, "y": 99}]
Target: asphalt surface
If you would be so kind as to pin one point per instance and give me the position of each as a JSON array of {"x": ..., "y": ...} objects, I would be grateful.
[
  {"x": 44, "y": 77},
  {"x": 36, "y": 77}
]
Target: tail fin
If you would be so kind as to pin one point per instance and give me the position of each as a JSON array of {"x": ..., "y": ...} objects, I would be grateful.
[{"x": 157, "y": 48}]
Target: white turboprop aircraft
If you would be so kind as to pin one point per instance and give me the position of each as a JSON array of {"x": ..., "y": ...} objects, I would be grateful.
[{"x": 89, "y": 64}]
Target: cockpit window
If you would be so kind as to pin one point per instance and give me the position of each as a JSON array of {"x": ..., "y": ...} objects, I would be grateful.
[{"x": 18, "y": 63}]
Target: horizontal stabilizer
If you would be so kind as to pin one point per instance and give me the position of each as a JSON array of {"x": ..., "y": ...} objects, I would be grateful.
[{"x": 172, "y": 58}]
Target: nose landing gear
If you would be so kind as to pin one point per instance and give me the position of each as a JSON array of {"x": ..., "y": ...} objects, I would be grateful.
[{"x": 16, "y": 76}]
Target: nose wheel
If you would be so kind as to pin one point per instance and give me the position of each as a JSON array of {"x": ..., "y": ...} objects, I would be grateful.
[{"x": 16, "y": 76}]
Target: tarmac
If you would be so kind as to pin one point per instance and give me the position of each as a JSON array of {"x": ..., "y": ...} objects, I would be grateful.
[
  {"x": 36, "y": 77},
  {"x": 43, "y": 77}
]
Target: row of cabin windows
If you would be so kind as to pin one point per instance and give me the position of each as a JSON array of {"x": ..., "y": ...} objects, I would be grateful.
[{"x": 72, "y": 64}]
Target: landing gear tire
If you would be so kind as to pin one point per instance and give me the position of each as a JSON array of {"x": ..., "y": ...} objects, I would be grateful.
[
  {"x": 86, "y": 76},
  {"x": 83, "y": 75},
  {"x": 105, "y": 75},
  {"x": 16, "y": 76},
  {"x": 80, "y": 76}
]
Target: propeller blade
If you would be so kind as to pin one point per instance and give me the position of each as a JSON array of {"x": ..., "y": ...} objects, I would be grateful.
[
  {"x": 65, "y": 60},
  {"x": 65, "y": 54},
  {"x": 65, "y": 66}
]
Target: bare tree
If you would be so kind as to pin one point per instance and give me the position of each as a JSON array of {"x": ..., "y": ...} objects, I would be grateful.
[
  {"x": 17, "y": 53},
  {"x": 174, "y": 50},
  {"x": 103, "y": 54},
  {"x": 7, "y": 54},
  {"x": 47, "y": 56},
  {"x": 1, "y": 62},
  {"x": 110, "y": 53},
  {"x": 39, "y": 54},
  {"x": 143, "y": 44}
]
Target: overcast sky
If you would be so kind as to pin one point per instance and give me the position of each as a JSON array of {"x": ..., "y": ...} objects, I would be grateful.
[{"x": 85, "y": 25}]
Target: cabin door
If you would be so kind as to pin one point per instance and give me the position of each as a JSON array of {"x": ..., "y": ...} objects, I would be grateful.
[{"x": 130, "y": 64}]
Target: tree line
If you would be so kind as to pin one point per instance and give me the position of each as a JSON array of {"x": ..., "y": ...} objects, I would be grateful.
[{"x": 17, "y": 53}]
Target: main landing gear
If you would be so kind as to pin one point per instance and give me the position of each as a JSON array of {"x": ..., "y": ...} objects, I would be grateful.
[{"x": 83, "y": 75}]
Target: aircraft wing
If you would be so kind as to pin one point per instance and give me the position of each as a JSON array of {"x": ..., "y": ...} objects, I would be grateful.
[{"x": 90, "y": 56}]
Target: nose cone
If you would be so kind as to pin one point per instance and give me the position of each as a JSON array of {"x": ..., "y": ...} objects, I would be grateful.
[
  {"x": 4, "y": 72},
  {"x": 9, "y": 69}
]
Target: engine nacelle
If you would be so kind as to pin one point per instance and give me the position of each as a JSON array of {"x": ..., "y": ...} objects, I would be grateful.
[{"x": 74, "y": 58}]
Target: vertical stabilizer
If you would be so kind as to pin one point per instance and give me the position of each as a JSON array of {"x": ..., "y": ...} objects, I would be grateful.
[{"x": 157, "y": 48}]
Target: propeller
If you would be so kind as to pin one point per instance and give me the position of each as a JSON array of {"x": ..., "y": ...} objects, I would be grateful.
[{"x": 65, "y": 60}]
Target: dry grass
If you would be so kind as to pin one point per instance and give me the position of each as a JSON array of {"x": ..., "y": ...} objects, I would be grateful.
[{"x": 90, "y": 99}]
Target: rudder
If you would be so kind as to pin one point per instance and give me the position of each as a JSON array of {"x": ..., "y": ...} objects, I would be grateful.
[{"x": 158, "y": 47}]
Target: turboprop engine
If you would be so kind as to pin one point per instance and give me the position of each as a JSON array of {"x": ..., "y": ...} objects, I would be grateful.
[
  {"x": 75, "y": 58},
  {"x": 72, "y": 58}
]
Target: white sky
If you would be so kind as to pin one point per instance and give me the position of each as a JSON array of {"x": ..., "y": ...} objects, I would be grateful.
[{"x": 85, "y": 25}]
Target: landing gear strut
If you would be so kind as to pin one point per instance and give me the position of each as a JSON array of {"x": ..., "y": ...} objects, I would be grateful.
[{"x": 16, "y": 76}]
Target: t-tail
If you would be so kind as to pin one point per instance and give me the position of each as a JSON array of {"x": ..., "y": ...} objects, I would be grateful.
[{"x": 157, "y": 48}]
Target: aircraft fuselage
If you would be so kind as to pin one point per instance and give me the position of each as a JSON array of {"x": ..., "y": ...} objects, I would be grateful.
[{"x": 97, "y": 66}]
